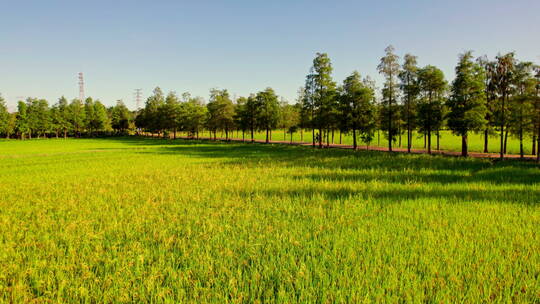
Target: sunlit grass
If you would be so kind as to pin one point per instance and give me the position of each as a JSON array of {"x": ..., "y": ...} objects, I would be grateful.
[{"x": 148, "y": 220}]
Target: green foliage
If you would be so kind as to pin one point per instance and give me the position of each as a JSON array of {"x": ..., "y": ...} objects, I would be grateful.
[
  {"x": 357, "y": 108},
  {"x": 220, "y": 111},
  {"x": 389, "y": 67},
  {"x": 4, "y": 116},
  {"x": 121, "y": 117},
  {"x": 467, "y": 108},
  {"x": 430, "y": 108},
  {"x": 268, "y": 112},
  {"x": 320, "y": 94}
]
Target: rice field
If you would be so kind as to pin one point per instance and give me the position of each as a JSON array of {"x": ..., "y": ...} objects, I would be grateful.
[{"x": 149, "y": 220}]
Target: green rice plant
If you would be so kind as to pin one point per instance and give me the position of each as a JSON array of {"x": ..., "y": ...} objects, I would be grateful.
[{"x": 152, "y": 220}]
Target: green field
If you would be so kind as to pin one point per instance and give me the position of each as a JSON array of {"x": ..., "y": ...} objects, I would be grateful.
[
  {"x": 150, "y": 220},
  {"x": 447, "y": 141}
]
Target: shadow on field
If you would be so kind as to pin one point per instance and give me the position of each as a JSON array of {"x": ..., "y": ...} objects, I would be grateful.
[
  {"x": 355, "y": 165},
  {"x": 395, "y": 195}
]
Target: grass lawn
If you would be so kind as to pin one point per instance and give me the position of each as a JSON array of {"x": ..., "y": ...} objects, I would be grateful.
[{"x": 151, "y": 220}]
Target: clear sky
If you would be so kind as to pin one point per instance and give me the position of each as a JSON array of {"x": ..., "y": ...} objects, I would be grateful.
[{"x": 243, "y": 46}]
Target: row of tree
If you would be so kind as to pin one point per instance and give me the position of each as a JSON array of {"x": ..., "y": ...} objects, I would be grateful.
[
  {"x": 486, "y": 96},
  {"x": 35, "y": 118}
]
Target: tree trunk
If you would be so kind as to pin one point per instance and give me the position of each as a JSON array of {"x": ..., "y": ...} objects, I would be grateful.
[
  {"x": 429, "y": 141},
  {"x": 340, "y": 137},
  {"x": 521, "y": 153},
  {"x": 464, "y": 146},
  {"x": 267, "y": 135},
  {"x": 505, "y": 139},
  {"x": 378, "y": 137},
  {"x": 291, "y": 136},
  {"x": 425, "y": 141},
  {"x": 313, "y": 136},
  {"x": 501, "y": 152},
  {"x": 533, "y": 149},
  {"x": 174, "y": 136},
  {"x": 320, "y": 137},
  {"x": 243, "y": 135},
  {"x": 328, "y": 138},
  {"x": 301, "y": 135},
  {"x": 284, "y": 134},
  {"x": 355, "y": 144},
  {"x": 538, "y": 145},
  {"x": 332, "y": 136},
  {"x": 438, "y": 141}
]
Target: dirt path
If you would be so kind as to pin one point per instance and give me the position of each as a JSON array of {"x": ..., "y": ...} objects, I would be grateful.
[{"x": 374, "y": 148}]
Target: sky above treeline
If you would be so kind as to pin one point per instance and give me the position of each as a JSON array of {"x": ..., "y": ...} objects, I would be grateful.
[{"x": 243, "y": 46}]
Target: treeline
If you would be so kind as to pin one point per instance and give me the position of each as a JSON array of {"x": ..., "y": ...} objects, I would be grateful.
[
  {"x": 35, "y": 118},
  {"x": 489, "y": 96}
]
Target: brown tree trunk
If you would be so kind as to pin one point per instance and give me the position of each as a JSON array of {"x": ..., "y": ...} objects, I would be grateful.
[
  {"x": 521, "y": 153},
  {"x": 355, "y": 144},
  {"x": 340, "y": 137},
  {"x": 505, "y": 139},
  {"x": 429, "y": 141},
  {"x": 533, "y": 149},
  {"x": 438, "y": 141},
  {"x": 464, "y": 146},
  {"x": 267, "y": 135}
]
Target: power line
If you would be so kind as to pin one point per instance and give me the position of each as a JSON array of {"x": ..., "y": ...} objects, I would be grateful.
[
  {"x": 81, "y": 87},
  {"x": 138, "y": 98}
]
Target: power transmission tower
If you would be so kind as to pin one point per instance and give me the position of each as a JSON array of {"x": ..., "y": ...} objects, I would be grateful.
[
  {"x": 81, "y": 87},
  {"x": 138, "y": 98}
]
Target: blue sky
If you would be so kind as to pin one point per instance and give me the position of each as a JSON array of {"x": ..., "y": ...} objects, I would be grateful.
[{"x": 243, "y": 46}]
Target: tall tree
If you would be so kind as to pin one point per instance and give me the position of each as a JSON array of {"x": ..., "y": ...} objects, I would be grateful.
[
  {"x": 321, "y": 93},
  {"x": 170, "y": 113},
  {"x": 39, "y": 118},
  {"x": 220, "y": 112},
  {"x": 63, "y": 116},
  {"x": 196, "y": 115},
  {"x": 120, "y": 117},
  {"x": 467, "y": 101},
  {"x": 389, "y": 67},
  {"x": 357, "y": 108},
  {"x": 502, "y": 80},
  {"x": 521, "y": 105},
  {"x": 410, "y": 89},
  {"x": 268, "y": 117},
  {"x": 4, "y": 117},
  {"x": 22, "y": 124},
  {"x": 430, "y": 109},
  {"x": 489, "y": 93},
  {"x": 537, "y": 112},
  {"x": 289, "y": 118},
  {"x": 77, "y": 116}
]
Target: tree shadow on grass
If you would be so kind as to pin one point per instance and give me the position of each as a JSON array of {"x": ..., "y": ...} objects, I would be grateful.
[
  {"x": 354, "y": 165},
  {"x": 397, "y": 195}
]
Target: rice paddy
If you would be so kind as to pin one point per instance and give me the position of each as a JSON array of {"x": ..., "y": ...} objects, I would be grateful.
[{"x": 153, "y": 220}]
